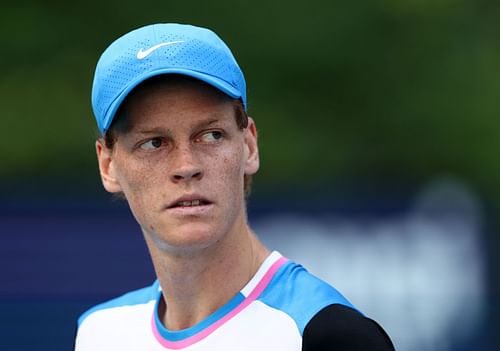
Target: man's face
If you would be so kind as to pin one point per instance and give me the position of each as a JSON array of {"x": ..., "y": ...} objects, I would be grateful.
[{"x": 181, "y": 165}]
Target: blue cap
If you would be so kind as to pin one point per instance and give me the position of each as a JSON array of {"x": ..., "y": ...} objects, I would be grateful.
[{"x": 162, "y": 49}]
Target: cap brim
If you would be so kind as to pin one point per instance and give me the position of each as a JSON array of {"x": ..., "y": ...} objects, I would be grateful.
[{"x": 213, "y": 81}]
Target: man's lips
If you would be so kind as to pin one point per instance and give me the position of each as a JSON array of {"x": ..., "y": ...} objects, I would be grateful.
[
  {"x": 189, "y": 201},
  {"x": 190, "y": 205}
]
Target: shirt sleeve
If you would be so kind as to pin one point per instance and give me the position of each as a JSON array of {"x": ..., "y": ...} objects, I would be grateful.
[{"x": 341, "y": 328}]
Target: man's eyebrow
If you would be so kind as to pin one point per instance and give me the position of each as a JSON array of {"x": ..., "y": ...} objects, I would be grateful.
[
  {"x": 154, "y": 130},
  {"x": 207, "y": 123},
  {"x": 158, "y": 130}
]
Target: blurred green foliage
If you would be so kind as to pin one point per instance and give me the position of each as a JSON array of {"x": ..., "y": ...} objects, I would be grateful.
[{"x": 342, "y": 92}]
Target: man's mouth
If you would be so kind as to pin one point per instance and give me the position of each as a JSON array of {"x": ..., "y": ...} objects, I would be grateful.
[
  {"x": 189, "y": 200},
  {"x": 190, "y": 203}
]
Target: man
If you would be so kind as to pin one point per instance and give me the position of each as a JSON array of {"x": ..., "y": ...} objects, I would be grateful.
[{"x": 170, "y": 102}]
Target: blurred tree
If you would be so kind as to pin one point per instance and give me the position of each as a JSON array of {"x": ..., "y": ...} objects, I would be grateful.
[{"x": 352, "y": 93}]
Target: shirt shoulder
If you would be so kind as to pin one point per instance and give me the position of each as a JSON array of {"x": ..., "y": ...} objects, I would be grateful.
[
  {"x": 338, "y": 327},
  {"x": 299, "y": 294},
  {"x": 135, "y": 297}
]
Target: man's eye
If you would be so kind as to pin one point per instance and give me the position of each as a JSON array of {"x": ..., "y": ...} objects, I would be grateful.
[
  {"x": 152, "y": 144},
  {"x": 211, "y": 136}
]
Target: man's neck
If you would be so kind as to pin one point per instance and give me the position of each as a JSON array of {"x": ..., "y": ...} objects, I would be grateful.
[{"x": 197, "y": 284}]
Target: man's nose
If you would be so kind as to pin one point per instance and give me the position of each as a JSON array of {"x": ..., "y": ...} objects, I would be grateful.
[{"x": 185, "y": 166}]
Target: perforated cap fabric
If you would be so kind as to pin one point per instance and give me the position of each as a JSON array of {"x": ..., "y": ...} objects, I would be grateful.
[{"x": 162, "y": 49}]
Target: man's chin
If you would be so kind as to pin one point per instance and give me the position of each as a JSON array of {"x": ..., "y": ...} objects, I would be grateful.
[{"x": 188, "y": 239}]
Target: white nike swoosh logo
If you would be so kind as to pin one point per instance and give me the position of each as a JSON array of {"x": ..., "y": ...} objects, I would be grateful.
[{"x": 141, "y": 54}]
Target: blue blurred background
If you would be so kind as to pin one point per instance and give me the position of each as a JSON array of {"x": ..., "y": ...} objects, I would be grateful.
[{"x": 379, "y": 145}]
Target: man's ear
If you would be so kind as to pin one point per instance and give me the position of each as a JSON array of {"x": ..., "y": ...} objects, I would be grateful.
[
  {"x": 252, "y": 161},
  {"x": 107, "y": 167}
]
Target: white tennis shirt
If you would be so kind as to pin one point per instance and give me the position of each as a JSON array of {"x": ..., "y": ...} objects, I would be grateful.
[{"x": 269, "y": 313}]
